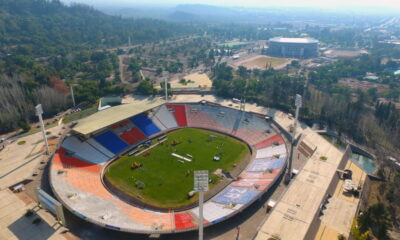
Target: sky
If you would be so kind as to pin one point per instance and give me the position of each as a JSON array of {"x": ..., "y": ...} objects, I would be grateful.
[{"x": 391, "y": 4}]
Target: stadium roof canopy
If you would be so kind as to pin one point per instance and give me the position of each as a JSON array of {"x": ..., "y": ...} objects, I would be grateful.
[
  {"x": 293, "y": 40},
  {"x": 113, "y": 115}
]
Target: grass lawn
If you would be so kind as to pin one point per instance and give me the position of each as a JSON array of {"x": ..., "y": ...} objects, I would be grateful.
[
  {"x": 82, "y": 114},
  {"x": 167, "y": 181}
]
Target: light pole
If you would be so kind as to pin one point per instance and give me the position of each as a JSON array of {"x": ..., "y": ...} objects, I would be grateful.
[
  {"x": 72, "y": 94},
  {"x": 298, "y": 103},
  {"x": 201, "y": 186},
  {"x": 39, "y": 112},
  {"x": 166, "y": 89}
]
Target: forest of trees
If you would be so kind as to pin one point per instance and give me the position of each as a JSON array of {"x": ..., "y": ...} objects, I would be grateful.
[
  {"x": 43, "y": 27},
  {"x": 269, "y": 87},
  {"x": 45, "y": 46},
  {"x": 344, "y": 110}
]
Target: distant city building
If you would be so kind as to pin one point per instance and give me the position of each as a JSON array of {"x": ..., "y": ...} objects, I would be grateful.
[
  {"x": 293, "y": 47},
  {"x": 371, "y": 77}
]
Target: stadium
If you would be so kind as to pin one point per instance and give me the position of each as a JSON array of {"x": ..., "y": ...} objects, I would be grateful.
[
  {"x": 293, "y": 47},
  {"x": 116, "y": 167}
]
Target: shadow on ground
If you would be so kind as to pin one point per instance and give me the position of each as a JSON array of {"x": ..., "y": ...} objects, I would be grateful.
[{"x": 24, "y": 229}]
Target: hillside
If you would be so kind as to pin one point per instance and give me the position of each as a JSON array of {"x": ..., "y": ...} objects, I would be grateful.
[
  {"x": 46, "y": 45},
  {"x": 43, "y": 27}
]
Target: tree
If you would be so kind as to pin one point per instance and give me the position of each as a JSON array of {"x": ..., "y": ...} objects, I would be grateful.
[
  {"x": 145, "y": 87},
  {"x": 341, "y": 237},
  {"x": 159, "y": 71},
  {"x": 242, "y": 71},
  {"x": 134, "y": 67},
  {"x": 376, "y": 219},
  {"x": 24, "y": 125},
  {"x": 373, "y": 93}
]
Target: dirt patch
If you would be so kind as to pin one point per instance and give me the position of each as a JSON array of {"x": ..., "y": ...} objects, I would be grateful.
[
  {"x": 194, "y": 80},
  {"x": 345, "y": 53},
  {"x": 363, "y": 85},
  {"x": 261, "y": 62}
]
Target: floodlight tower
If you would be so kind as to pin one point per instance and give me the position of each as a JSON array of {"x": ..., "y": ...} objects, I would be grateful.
[
  {"x": 39, "y": 112},
  {"x": 201, "y": 186},
  {"x": 298, "y": 103},
  {"x": 166, "y": 89},
  {"x": 72, "y": 94},
  {"x": 243, "y": 100}
]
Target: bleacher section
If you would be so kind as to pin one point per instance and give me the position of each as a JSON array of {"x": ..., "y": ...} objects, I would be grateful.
[
  {"x": 197, "y": 118},
  {"x": 65, "y": 159},
  {"x": 127, "y": 137},
  {"x": 84, "y": 150},
  {"x": 276, "y": 139},
  {"x": 225, "y": 117},
  {"x": 164, "y": 117},
  {"x": 262, "y": 165},
  {"x": 137, "y": 134},
  {"x": 253, "y": 129},
  {"x": 78, "y": 185},
  {"x": 100, "y": 148},
  {"x": 179, "y": 113},
  {"x": 271, "y": 151},
  {"x": 110, "y": 141},
  {"x": 121, "y": 127},
  {"x": 152, "y": 115},
  {"x": 145, "y": 124}
]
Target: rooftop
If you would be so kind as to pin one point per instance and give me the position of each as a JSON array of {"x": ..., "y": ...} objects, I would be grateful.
[
  {"x": 112, "y": 101},
  {"x": 342, "y": 207},
  {"x": 113, "y": 115},
  {"x": 293, "y": 40},
  {"x": 293, "y": 215}
]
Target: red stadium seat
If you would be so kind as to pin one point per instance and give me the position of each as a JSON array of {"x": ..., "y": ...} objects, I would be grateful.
[
  {"x": 137, "y": 134},
  {"x": 128, "y": 137},
  {"x": 73, "y": 162},
  {"x": 179, "y": 113}
]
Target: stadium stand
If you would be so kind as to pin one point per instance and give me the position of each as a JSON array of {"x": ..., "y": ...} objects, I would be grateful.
[
  {"x": 127, "y": 137},
  {"x": 184, "y": 220},
  {"x": 152, "y": 115},
  {"x": 226, "y": 117},
  {"x": 122, "y": 127},
  {"x": 253, "y": 129},
  {"x": 136, "y": 133},
  {"x": 78, "y": 185},
  {"x": 110, "y": 141},
  {"x": 158, "y": 124},
  {"x": 66, "y": 160},
  {"x": 165, "y": 117},
  {"x": 215, "y": 212},
  {"x": 196, "y": 117},
  {"x": 271, "y": 151},
  {"x": 100, "y": 147},
  {"x": 145, "y": 124},
  {"x": 84, "y": 150},
  {"x": 276, "y": 139},
  {"x": 236, "y": 195},
  {"x": 262, "y": 165},
  {"x": 179, "y": 113},
  {"x": 258, "y": 184}
]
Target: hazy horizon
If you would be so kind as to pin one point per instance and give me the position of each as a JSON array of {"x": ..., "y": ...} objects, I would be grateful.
[{"x": 326, "y": 4}]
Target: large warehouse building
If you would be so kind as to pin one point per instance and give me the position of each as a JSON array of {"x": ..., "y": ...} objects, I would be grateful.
[{"x": 293, "y": 47}]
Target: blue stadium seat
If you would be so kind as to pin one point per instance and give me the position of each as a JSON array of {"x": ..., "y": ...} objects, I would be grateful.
[
  {"x": 111, "y": 142},
  {"x": 145, "y": 124}
]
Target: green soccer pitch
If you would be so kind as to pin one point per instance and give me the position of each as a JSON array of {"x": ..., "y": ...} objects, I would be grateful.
[{"x": 164, "y": 180}]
